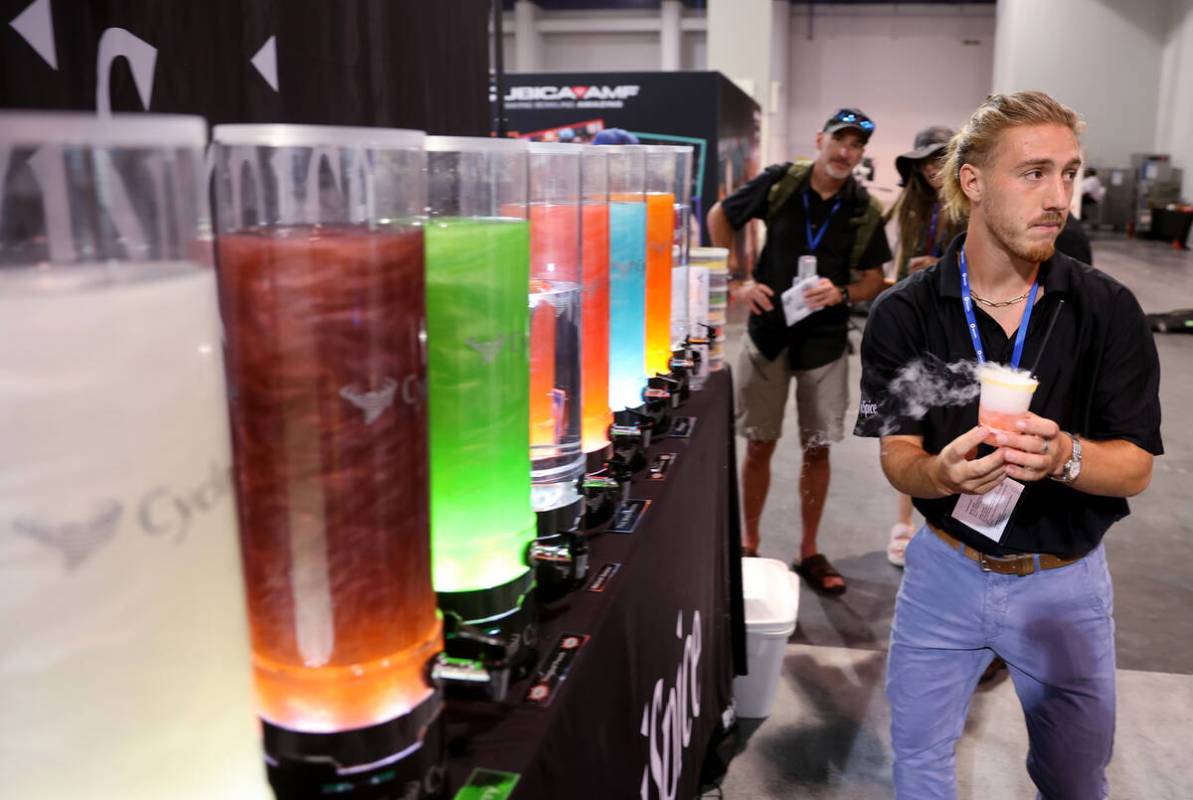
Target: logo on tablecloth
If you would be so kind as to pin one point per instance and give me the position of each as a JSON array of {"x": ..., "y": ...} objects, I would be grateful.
[{"x": 667, "y": 718}]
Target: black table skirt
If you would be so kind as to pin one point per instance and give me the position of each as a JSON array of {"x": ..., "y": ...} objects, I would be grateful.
[{"x": 648, "y": 691}]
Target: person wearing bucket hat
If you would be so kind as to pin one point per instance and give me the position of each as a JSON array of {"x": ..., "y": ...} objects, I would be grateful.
[
  {"x": 817, "y": 214},
  {"x": 924, "y": 231}
]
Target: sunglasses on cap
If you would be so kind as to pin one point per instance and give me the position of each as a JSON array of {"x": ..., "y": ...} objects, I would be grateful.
[{"x": 852, "y": 118}]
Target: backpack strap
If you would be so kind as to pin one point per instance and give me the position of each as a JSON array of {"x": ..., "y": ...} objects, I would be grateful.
[
  {"x": 867, "y": 223},
  {"x": 782, "y": 189}
]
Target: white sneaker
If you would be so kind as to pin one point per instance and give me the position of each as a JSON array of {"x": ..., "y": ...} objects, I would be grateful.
[{"x": 901, "y": 534}]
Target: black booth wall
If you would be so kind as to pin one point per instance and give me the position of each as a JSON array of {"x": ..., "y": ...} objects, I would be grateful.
[
  {"x": 702, "y": 106},
  {"x": 394, "y": 63}
]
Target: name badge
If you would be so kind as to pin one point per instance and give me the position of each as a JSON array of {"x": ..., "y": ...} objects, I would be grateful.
[{"x": 989, "y": 513}]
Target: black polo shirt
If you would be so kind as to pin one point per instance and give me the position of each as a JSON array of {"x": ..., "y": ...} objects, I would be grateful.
[
  {"x": 819, "y": 338},
  {"x": 1099, "y": 378}
]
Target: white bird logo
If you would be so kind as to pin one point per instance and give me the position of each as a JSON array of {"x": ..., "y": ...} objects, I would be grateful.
[
  {"x": 371, "y": 403},
  {"x": 487, "y": 350}
]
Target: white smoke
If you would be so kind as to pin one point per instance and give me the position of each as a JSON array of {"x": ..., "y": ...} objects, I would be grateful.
[{"x": 927, "y": 384}]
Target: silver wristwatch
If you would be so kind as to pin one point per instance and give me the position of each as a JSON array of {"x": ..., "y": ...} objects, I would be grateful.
[{"x": 1072, "y": 467}]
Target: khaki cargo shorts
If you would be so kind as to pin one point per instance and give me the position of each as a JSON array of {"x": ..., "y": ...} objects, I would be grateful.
[{"x": 761, "y": 386}]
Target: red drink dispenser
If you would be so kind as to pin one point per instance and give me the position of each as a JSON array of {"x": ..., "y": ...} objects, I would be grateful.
[{"x": 320, "y": 272}]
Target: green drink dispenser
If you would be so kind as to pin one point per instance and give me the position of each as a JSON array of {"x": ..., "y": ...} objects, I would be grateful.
[{"x": 478, "y": 376}]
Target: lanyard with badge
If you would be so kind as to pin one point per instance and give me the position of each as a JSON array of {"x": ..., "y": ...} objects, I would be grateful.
[
  {"x": 989, "y": 513},
  {"x": 795, "y": 307},
  {"x": 814, "y": 238}
]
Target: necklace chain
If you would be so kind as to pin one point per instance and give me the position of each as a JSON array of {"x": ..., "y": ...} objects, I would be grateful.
[{"x": 1000, "y": 303}]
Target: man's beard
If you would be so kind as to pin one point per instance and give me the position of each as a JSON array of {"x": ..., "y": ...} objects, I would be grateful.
[
  {"x": 836, "y": 171},
  {"x": 1031, "y": 252}
]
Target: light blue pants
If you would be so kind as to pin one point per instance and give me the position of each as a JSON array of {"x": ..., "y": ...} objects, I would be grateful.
[{"x": 1055, "y": 630}]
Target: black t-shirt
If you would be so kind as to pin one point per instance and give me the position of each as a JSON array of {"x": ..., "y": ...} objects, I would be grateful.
[
  {"x": 820, "y": 338},
  {"x": 1073, "y": 241},
  {"x": 1099, "y": 378}
]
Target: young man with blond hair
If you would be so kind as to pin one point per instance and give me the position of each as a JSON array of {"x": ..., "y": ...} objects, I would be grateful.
[{"x": 1010, "y": 560}]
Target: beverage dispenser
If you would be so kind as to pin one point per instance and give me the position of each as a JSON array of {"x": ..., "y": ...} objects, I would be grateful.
[
  {"x": 124, "y": 663},
  {"x": 478, "y": 325},
  {"x": 627, "y": 275},
  {"x": 321, "y": 282}
]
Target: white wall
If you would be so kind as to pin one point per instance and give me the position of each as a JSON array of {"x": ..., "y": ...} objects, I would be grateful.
[
  {"x": 604, "y": 41},
  {"x": 693, "y": 51},
  {"x": 1100, "y": 57},
  {"x": 1174, "y": 118},
  {"x": 907, "y": 66},
  {"x": 599, "y": 52}
]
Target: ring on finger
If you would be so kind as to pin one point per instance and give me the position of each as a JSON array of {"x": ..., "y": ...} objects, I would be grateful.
[{"x": 1045, "y": 450}]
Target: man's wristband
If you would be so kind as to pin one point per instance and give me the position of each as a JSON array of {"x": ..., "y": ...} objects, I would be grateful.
[{"x": 844, "y": 294}]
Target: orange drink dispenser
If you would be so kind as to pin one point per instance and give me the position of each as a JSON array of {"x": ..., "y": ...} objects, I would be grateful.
[{"x": 660, "y": 238}]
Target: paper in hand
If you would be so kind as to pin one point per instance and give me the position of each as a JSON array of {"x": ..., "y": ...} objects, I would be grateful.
[{"x": 795, "y": 307}]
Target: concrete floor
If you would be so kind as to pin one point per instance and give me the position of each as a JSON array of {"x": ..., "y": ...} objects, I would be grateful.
[{"x": 828, "y": 736}]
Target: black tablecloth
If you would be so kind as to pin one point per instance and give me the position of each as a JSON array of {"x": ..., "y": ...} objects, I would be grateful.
[{"x": 647, "y": 692}]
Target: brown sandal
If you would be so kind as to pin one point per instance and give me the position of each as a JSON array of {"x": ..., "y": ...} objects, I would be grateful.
[{"x": 815, "y": 569}]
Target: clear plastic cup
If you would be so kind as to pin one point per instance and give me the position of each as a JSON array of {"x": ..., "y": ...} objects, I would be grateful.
[{"x": 1005, "y": 396}]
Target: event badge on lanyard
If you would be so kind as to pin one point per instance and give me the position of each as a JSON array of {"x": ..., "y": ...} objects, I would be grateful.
[
  {"x": 795, "y": 307},
  {"x": 989, "y": 513}
]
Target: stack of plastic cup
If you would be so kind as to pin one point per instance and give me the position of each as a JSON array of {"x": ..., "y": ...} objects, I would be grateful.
[
  {"x": 124, "y": 664},
  {"x": 698, "y": 286},
  {"x": 718, "y": 301}
]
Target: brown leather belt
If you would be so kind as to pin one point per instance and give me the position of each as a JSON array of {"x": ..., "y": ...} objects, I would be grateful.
[{"x": 1008, "y": 565}]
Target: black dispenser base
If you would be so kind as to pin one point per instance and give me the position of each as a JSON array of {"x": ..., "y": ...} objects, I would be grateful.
[{"x": 402, "y": 759}]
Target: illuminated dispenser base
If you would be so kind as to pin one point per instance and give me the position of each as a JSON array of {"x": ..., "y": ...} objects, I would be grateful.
[{"x": 402, "y": 759}]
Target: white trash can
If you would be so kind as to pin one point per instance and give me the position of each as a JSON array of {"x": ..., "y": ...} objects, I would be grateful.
[{"x": 771, "y": 593}]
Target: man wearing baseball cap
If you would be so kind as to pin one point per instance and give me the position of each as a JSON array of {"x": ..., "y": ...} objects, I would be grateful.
[{"x": 811, "y": 209}]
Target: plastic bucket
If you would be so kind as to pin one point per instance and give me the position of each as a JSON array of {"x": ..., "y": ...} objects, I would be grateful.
[{"x": 771, "y": 593}]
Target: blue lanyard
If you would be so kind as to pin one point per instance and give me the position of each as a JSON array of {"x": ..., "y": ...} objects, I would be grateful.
[
  {"x": 972, "y": 323},
  {"x": 814, "y": 240}
]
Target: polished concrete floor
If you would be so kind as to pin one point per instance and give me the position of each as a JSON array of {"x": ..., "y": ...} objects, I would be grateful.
[{"x": 828, "y": 736}]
